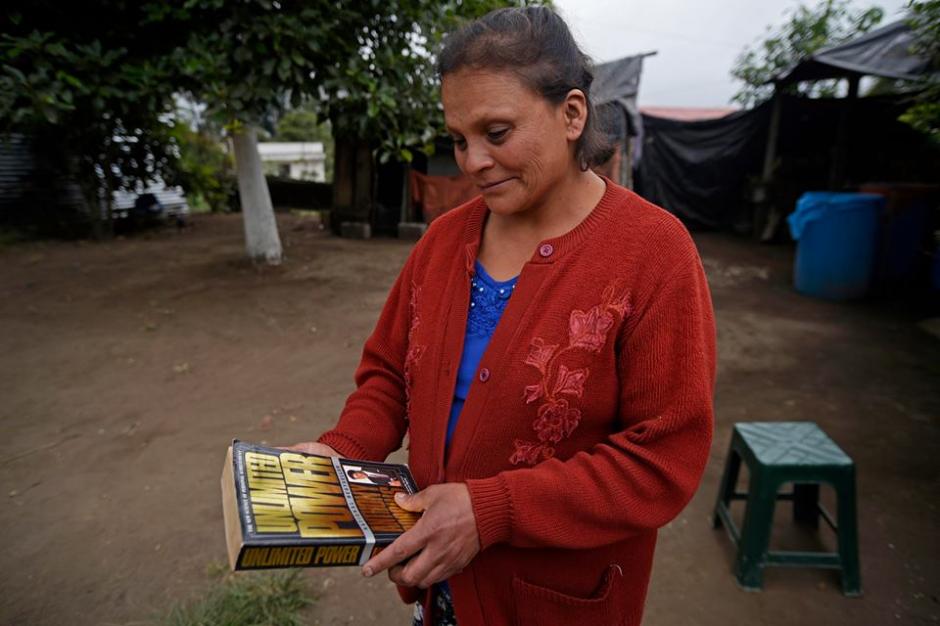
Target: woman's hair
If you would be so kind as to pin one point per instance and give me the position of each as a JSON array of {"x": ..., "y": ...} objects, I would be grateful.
[{"x": 535, "y": 44}]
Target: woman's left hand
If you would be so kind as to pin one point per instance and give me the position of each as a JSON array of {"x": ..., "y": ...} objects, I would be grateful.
[{"x": 445, "y": 538}]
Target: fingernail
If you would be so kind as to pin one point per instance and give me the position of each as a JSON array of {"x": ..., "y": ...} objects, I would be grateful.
[
  {"x": 367, "y": 571},
  {"x": 399, "y": 495}
]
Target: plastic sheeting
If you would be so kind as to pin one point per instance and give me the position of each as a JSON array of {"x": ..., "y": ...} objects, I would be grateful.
[
  {"x": 882, "y": 52},
  {"x": 699, "y": 170},
  {"x": 617, "y": 82}
]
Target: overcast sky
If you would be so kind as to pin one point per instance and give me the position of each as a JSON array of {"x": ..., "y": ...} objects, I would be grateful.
[{"x": 697, "y": 40}]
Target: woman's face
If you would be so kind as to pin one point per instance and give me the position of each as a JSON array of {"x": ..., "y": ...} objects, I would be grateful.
[{"x": 508, "y": 139}]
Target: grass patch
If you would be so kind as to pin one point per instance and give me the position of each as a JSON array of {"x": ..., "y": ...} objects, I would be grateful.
[
  {"x": 10, "y": 237},
  {"x": 246, "y": 599}
]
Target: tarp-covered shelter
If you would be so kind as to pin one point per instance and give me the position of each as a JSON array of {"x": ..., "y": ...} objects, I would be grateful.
[
  {"x": 616, "y": 84},
  {"x": 884, "y": 52},
  {"x": 745, "y": 170}
]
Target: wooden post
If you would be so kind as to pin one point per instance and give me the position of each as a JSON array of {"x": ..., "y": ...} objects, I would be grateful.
[
  {"x": 626, "y": 165},
  {"x": 363, "y": 196},
  {"x": 838, "y": 169},
  {"x": 770, "y": 153},
  {"x": 405, "y": 215},
  {"x": 767, "y": 215},
  {"x": 342, "y": 181}
]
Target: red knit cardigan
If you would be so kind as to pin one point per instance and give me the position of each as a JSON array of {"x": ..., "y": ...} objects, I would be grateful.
[{"x": 589, "y": 423}]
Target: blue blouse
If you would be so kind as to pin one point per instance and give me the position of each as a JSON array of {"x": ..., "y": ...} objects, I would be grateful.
[{"x": 488, "y": 300}]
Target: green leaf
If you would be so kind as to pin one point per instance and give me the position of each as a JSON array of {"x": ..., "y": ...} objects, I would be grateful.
[
  {"x": 72, "y": 80},
  {"x": 15, "y": 72},
  {"x": 283, "y": 68}
]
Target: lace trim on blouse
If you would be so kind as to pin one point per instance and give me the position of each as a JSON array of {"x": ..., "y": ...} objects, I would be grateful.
[{"x": 488, "y": 300}]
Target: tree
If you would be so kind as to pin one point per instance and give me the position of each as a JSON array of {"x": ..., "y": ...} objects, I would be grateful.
[
  {"x": 384, "y": 102},
  {"x": 924, "y": 114},
  {"x": 82, "y": 82},
  {"x": 105, "y": 76},
  {"x": 244, "y": 59},
  {"x": 367, "y": 66},
  {"x": 806, "y": 30},
  {"x": 389, "y": 93}
]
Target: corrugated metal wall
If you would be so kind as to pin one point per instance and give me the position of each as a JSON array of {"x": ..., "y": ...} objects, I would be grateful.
[
  {"x": 16, "y": 165},
  {"x": 17, "y": 181}
]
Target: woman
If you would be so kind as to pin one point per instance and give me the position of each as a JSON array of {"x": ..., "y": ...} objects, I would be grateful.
[{"x": 548, "y": 348}]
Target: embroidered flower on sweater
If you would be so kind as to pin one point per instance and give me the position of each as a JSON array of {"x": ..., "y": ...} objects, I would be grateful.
[
  {"x": 414, "y": 350},
  {"x": 530, "y": 453},
  {"x": 589, "y": 330},
  {"x": 556, "y": 421},
  {"x": 540, "y": 354},
  {"x": 570, "y": 381},
  {"x": 559, "y": 386}
]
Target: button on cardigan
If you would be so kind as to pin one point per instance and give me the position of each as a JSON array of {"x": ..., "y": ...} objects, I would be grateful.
[{"x": 592, "y": 429}]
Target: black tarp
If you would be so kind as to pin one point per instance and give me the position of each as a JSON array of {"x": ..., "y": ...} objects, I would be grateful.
[
  {"x": 884, "y": 52},
  {"x": 699, "y": 170}
]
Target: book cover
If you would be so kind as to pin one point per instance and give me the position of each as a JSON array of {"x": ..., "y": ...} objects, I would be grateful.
[{"x": 292, "y": 509}]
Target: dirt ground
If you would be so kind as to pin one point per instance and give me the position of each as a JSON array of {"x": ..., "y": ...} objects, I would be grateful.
[{"x": 126, "y": 368}]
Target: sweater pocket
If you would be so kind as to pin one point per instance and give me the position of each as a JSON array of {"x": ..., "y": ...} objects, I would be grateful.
[{"x": 540, "y": 606}]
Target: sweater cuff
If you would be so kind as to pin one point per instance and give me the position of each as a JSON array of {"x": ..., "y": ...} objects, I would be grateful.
[
  {"x": 492, "y": 507},
  {"x": 347, "y": 448}
]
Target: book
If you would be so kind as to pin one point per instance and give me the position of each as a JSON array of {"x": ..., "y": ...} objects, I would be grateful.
[{"x": 292, "y": 509}]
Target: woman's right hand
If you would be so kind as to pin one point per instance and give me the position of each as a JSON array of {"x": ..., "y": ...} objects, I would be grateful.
[{"x": 312, "y": 447}]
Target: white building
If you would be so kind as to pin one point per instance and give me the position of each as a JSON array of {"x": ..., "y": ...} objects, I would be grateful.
[{"x": 298, "y": 160}]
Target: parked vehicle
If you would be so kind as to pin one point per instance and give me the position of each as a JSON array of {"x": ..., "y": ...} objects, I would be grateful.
[{"x": 154, "y": 205}]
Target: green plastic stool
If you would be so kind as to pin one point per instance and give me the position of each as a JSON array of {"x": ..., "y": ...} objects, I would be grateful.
[{"x": 777, "y": 453}]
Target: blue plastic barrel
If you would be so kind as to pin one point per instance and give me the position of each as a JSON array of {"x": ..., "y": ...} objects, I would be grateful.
[{"x": 837, "y": 236}]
